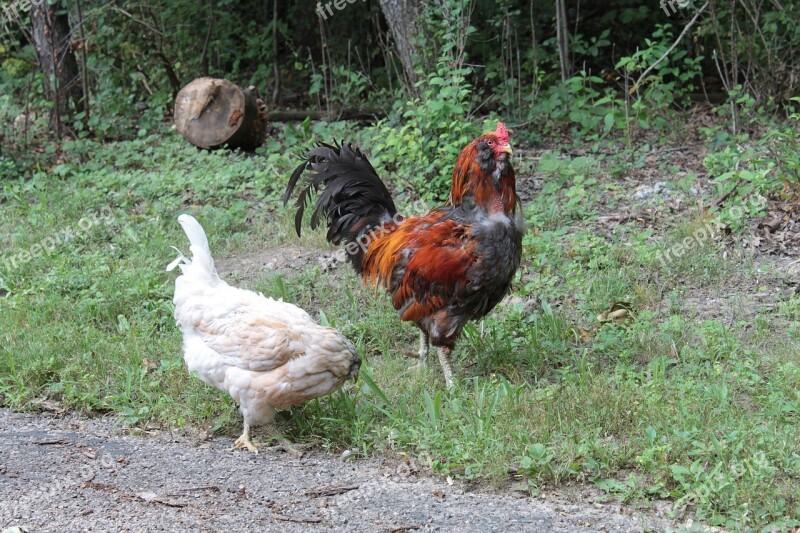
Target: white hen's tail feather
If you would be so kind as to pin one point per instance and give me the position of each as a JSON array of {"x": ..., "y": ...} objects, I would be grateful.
[{"x": 201, "y": 265}]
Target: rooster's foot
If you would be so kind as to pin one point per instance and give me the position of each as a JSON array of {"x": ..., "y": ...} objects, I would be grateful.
[{"x": 410, "y": 354}]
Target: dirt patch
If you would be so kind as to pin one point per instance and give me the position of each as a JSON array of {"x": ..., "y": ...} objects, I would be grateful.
[
  {"x": 287, "y": 260},
  {"x": 744, "y": 297},
  {"x": 76, "y": 474}
]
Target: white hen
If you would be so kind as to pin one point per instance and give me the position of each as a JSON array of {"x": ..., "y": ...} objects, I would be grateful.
[{"x": 267, "y": 354}]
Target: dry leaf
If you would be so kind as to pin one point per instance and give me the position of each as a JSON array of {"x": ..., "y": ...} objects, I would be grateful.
[{"x": 620, "y": 313}]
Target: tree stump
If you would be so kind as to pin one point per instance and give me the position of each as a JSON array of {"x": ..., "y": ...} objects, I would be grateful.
[{"x": 211, "y": 112}]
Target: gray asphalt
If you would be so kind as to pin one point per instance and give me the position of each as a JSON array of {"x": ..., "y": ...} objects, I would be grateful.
[{"x": 76, "y": 474}]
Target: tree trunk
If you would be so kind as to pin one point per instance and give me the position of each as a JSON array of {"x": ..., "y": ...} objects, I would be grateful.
[
  {"x": 208, "y": 6},
  {"x": 82, "y": 53},
  {"x": 562, "y": 33},
  {"x": 403, "y": 17},
  {"x": 62, "y": 80},
  {"x": 276, "y": 67}
]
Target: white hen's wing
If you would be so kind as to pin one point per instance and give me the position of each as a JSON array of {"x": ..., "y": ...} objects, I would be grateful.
[
  {"x": 245, "y": 329},
  {"x": 263, "y": 352}
]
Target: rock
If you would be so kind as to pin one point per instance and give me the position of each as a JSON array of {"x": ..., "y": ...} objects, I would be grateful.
[{"x": 643, "y": 192}]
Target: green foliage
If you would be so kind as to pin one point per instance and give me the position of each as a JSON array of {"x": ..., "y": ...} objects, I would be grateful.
[
  {"x": 420, "y": 146},
  {"x": 584, "y": 103},
  {"x": 746, "y": 168},
  {"x": 347, "y": 87},
  {"x": 670, "y": 82},
  {"x": 781, "y": 143},
  {"x": 421, "y": 139},
  {"x": 597, "y": 109},
  {"x": 742, "y": 173},
  {"x": 497, "y": 57}
]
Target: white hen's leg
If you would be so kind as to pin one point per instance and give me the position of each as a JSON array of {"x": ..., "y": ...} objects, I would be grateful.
[
  {"x": 244, "y": 440},
  {"x": 444, "y": 360}
]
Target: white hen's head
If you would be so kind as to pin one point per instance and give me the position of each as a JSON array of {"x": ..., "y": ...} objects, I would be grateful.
[{"x": 355, "y": 366}]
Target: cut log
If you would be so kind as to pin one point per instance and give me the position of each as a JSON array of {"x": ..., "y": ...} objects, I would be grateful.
[
  {"x": 211, "y": 112},
  {"x": 252, "y": 132}
]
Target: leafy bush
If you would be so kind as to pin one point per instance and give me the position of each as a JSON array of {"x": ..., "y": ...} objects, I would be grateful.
[
  {"x": 341, "y": 86},
  {"x": 421, "y": 141},
  {"x": 782, "y": 145},
  {"x": 596, "y": 108},
  {"x": 670, "y": 82},
  {"x": 583, "y": 103},
  {"x": 766, "y": 166}
]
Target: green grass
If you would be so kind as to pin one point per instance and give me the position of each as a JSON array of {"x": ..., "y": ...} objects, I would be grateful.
[{"x": 671, "y": 404}]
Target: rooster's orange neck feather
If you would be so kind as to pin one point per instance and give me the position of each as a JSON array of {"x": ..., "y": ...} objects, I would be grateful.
[{"x": 470, "y": 179}]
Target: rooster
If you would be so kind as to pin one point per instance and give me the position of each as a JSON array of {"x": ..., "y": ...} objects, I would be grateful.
[
  {"x": 267, "y": 354},
  {"x": 442, "y": 269}
]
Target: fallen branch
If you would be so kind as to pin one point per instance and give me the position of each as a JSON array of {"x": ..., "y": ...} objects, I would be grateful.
[
  {"x": 295, "y": 519},
  {"x": 329, "y": 490},
  {"x": 345, "y": 114},
  {"x": 50, "y": 442},
  {"x": 152, "y": 497},
  {"x": 634, "y": 217},
  {"x": 204, "y": 488}
]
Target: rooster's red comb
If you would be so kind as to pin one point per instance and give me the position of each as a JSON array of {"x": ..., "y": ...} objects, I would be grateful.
[{"x": 502, "y": 133}]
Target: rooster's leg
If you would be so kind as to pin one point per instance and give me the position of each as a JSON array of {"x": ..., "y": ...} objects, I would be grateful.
[
  {"x": 424, "y": 339},
  {"x": 244, "y": 440},
  {"x": 444, "y": 360}
]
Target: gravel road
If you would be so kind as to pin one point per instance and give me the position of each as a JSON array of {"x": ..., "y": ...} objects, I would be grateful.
[{"x": 74, "y": 474}]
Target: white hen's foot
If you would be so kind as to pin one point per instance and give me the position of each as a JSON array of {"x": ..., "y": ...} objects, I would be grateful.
[
  {"x": 444, "y": 360},
  {"x": 244, "y": 440}
]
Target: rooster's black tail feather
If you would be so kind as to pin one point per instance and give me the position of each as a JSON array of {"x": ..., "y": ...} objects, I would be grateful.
[{"x": 354, "y": 200}]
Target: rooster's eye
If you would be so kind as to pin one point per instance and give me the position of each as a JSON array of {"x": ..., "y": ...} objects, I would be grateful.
[{"x": 490, "y": 142}]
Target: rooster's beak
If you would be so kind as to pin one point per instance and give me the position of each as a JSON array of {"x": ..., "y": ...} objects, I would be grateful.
[{"x": 507, "y": 149}]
